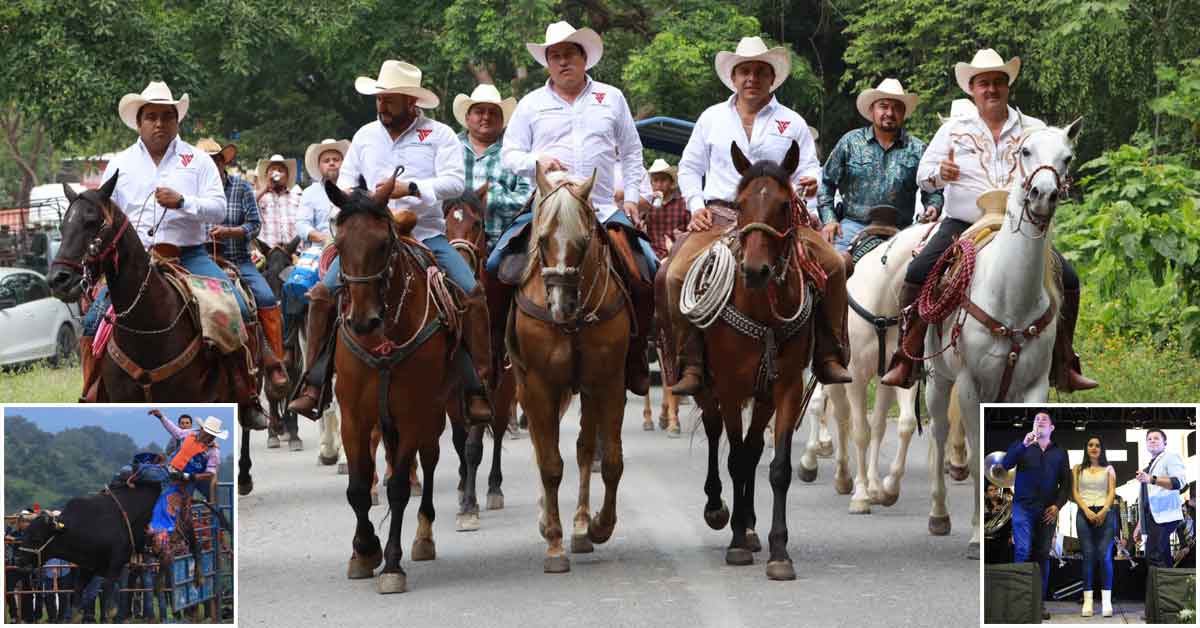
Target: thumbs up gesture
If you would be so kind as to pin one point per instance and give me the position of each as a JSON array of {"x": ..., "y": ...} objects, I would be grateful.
[{"x": 949, "y": 169}]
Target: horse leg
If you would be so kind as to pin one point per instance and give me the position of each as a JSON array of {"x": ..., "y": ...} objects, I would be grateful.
[
  {"x": 647, "y": 414},
  {"x": 884, "y": 396},
  {"x": 540, "y": 401},
  {"x": 843, "y": 483},
  {"x": 393, "y": 579},
  {"x": 293, "y": 431},
  {"x": 937, "y": 399},
  {"x": 956, "y": 450},
  {"x": 854, "y": 396},
  {"x": 807, "y": 471},
  {"x": 360, "y": 458},
  {"x": 376, "y": 436},
  {"x": 716, "y": 512},
  {"x": 469, "y": 507},
  {"x": 670, "y": 411},
  {"x": 495, "y": 496},
  {"x": 423, "y": 547},
  {"x": 736, "y": 553},
  {"x": 585, "y": 452},
  {"x": 245, "y": 481},
  {"x": 779, "y": 562},
  {"x": 904, "y": 431},
  {"x": 967, "y": 398},
  {"x": 762, "y": 414},
  {"x": 610, "y": 409}
]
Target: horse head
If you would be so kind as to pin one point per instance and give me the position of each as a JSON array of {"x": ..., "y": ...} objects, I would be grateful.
[
  {"x": 39, "y": 533},
  {"x": 465, "y": 218},
  {"x": 1042, "y": 160},
  {"x": 91, "y": 229},
  {"x": 766, "y": 216},
  {"x": 563, "y": 227}
]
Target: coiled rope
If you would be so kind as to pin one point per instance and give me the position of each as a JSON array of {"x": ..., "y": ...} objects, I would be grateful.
[{"x": 708, "y": 285}]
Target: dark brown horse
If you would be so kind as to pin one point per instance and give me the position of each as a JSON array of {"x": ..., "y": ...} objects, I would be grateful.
[
  {"x": 465, "y": 218},
  {"x": 156, "y": 351},
  {"x": 278, "y": 262},
  {"x": 391, "y": 358},
  {"x": 571, "y": 297}
]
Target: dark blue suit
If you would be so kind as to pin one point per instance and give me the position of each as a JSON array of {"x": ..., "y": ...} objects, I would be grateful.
[{"x": 1043, "y": 479}]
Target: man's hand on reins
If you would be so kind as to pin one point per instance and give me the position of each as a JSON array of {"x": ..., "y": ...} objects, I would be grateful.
[
  {"x": 806, "y": 186},
  {"x": 831, "y": 231},
  {"x": 550, "y": 164},
  {"x": 631, "y": 210},
  {"x": 701, "y": 220},
  {"x": 225, "y": 233},
  {"x": 930, "y": 215},
  {"x": 168, "y": 198}
]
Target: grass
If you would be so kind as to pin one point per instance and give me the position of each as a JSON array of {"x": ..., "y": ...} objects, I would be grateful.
[{"x": 40, "y": 383}]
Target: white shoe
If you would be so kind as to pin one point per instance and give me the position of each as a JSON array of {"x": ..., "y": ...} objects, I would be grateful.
[
  {"x": 1087, "y": 604},
  {"x": 1106, "y": 602}
]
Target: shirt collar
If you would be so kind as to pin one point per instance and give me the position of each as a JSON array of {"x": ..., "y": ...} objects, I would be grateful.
[
  {"x": 587, "y": 87},
  {"x": 172, "y": 147},
  {"x": 901, "y": 137},
  {"x": 731, "y": 102},
  {"x": 494, "y": 147},
  {"x": 1014, "y": 119},
  {"x": 388, "y": 136}
]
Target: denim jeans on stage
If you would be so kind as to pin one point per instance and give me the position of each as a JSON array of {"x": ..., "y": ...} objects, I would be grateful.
[
  {"x": 1096, "y": 542},
  {"x": 1032, "y": 538},
  {"x": 1158, "y": 541}
]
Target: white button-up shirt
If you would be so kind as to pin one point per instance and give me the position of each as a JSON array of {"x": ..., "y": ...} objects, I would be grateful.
[
  {"x": 315, "y": 211},
  {"x": 432, "y": 158},
  {"x": 983, "y": 164},
  {"x": 189, "y": 172},
  {"x": 591, "y": 133},
  {"x": 706, "y": 170}
]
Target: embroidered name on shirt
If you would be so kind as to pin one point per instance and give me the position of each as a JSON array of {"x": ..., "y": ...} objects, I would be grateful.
[
  {"x": 599, "y": 97},
  {"x": 423, "y": 133},
  {"x": 185, "y": 159},
  {"x": 783, "y": 125}
]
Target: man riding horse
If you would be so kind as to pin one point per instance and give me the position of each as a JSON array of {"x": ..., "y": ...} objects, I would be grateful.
[
  {"x": 323, "y": 161},
  {"x": 428, "y": 156},
  {"x": 971, "y": 154},
  {"x": 763, "y": 129}
]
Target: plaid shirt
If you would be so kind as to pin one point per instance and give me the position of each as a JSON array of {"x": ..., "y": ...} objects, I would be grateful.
[
  {"x": 240, "y": 211},
  {"x": 278, "y": 213},
  {"x": 507, "y": 192},
  {"x": 663, "y": 222},
  {"x": 868, "y": 176}
]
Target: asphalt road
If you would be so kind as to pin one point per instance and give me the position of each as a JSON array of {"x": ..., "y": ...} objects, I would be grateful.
[{"x": 663, "y": 567}]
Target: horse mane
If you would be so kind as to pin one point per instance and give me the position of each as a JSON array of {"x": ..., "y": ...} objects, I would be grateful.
[
  {"x": 468, "y": 197},
  {"x": 559, "y": 213},
  {"x": 361, "y": 203},
  {"x": 765, "y": 168}
]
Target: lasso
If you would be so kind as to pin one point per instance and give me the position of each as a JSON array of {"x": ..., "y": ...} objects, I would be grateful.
[{"x": 708, "y": 285}]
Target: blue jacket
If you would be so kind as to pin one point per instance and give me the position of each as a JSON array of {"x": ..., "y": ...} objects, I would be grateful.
[{"x": 1043, "y": 478}]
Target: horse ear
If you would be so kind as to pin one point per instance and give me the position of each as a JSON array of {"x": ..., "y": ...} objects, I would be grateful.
[
  {"x": 543, "y": 184},
  {"x": 585, "y": 190},
  {"x": 106, "y": 190},
  {"x": 740, "y": 163},
  {"x": 1074, "y": 128},
  {"x": 336, "y": 195},
  {"x": 69, "y": 192},
  {"x": 482, "y": 193},
  {"x": 792, "y": 159},
  {"x": 383, "y": 194},
  {"x": 293, "y": 245}
]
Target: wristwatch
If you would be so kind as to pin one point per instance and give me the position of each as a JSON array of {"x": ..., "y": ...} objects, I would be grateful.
[
  {"x": 413, "y": 190},
  {"x": 1154, "y": 479},
  {"x": 180, "y": 201}
]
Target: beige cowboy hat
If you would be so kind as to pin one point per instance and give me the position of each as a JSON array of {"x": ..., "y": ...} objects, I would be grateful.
[
  {"x": 960, "y": 108},
  {"x": 483, "y": 93},
  {"x": 993, "y": 201},
  {"x": 816, "y": 135},
  {"x": 398, "y": 77},
  {"x": 986, "y": 60},
  {"x": 156, "y": 93},
  {"x": 753, "y": 49},
  {"x": 660, "y": 166},
  {"x": 212, "y": 425},
  {"x": 312, "y": 155},
  {"x": 889, "y": 88},
  {"x": 559, "y": 32},
  {"x": 209, "y": 145},
  {"x": 289, "y": 164}
]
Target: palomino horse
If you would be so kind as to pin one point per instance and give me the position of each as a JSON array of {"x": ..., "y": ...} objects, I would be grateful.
[
  {"x": 155, "y": 332},
  {"x": 278, "y": 264},
  {"x": 1005, "y": 327},
  {"x": 571, "y": 297},
  {"x": 393, "y": 347}
]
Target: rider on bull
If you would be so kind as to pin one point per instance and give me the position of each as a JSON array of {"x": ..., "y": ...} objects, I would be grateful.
[
  {"x": 971, "y": 154},
  {"x": 764, "y": 129},
  {"x": 579, "y": 125},
  {"x": 432, "y": 160}
]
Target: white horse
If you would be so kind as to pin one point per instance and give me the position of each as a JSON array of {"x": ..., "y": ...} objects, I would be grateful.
[{"x": 1008, "y": 359}]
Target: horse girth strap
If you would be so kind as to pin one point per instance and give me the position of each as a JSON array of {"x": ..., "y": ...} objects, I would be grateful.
[
  {"x": 383, "y": 363},
  {"x": 881, "y": 325},
  {"x": 128, "y": 528},
  {"x": 772, "y": 338},
  {"x": 1016, "y": 338},
  {"x": 147, "y": 378},
  {"x": 606, "y": 312}
]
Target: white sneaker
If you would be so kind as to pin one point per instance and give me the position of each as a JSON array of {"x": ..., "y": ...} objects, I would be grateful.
[
  {"x": 1087, "y": 604},
  {"x": 1106, "y": 602}
]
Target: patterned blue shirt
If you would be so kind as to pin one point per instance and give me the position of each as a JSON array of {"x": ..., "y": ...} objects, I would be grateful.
[
  {"x": 241, "y": 210},
  {"x": 869, "y": 176}
]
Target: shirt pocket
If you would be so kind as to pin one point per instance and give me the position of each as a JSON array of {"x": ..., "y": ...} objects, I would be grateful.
[
  {"x": 552, "y": 124},
  {"x": 185, "y": 181},
  {"x": 417, "y": 159},
  {"x": 775, "y": 147}
]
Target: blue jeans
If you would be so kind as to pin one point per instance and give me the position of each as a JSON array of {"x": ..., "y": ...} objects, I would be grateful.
[
  {"x": 850, "y": 228},
  {"x": 1032, "y": 538},
  {"x": 1097, "y": 544},
  {"x": 502, "y": 246},
  {"x": 1158, "y": 541},
  {"x": 264, "y": 297},
  {"x": 447, "y": 259}
]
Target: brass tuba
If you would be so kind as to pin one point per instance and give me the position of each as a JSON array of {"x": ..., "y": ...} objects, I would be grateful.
[{"x": 1000, "y": 477}]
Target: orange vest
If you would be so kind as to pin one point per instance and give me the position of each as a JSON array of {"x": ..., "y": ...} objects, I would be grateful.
[{"x": 187, "y": 450}]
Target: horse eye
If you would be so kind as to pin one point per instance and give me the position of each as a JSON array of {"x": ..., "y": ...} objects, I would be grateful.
[{"x": 1025, "y": 152}]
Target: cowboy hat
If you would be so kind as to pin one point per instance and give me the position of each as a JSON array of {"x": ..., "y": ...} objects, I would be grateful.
[
  {"x": 960, "y": 108},
  {"x": 156, "y": 93},
  {"x": 559, "y": 32},
  {"x": 487, "y": 94},
  {"x": 209, "y": 145},
  {"x": 753, "y": 49},
  {"x": 398, "y": 77},
  {"x": 660, "y": 166},
  {"x": 816, "y": 135},
  {"x": 993, "y": 201},
  {"x": 212, "y": 425},
  {"x": 889, "y": 88},
  {"x": 312, "y": 155},
  {"x": 986, "y": 60},
  {"x": 289, "y": 164}
]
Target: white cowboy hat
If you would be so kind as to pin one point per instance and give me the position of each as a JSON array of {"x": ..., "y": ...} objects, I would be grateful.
[
  {"x": 483, "y": 93},
  {"x": 660, "y": 166},
  {"x": 398, "y": 77},
  {"x": 890, "y": 88},
  {"x": 960, "y": 108},
  {"x": 289, "y": 164},
  {"x": 559, "y": 32},
  {"x": 312, "y": 155},
  {"x": 992, "y": 201},
  {"x": 156, "y": 93},
  {"x": 212, "y": 425},
  {"x": 753, "y": 49},
  {"x": 986, "y": 60}
]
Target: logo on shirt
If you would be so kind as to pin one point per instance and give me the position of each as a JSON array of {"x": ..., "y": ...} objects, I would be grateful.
[
  {"x": 783, "y": 125},
  {"x": 185, "y": 159},
  {"x": 599, "y": 97},
  {"x": 423, "y": 133}
]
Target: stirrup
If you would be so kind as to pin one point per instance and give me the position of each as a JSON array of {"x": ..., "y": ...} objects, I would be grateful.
[{"x": 306, "y": 402}]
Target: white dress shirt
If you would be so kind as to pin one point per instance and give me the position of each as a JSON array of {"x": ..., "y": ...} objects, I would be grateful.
[
  {"x": 591, "y": 133},
  {"x": 432, "y": 158},
  {"x": 189, "y": 172},
  {"x": 315, "y": 211},
  {"x": 1166, "y": 505},
  {"x": 983, "y": 164},
  {"x": 706, "y": 160}
]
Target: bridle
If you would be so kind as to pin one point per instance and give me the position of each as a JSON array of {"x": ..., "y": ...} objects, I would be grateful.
[
  {"x": 383, "y": 277},
  {"x": 102, "y": 247},
  {"x": 566, "y": 277},
  {"x": 1062, "y": 185},
  {"x": 49, "y": 539},
  {"x": 787, "y": 237},
  {"x": 470, "y": 247}
]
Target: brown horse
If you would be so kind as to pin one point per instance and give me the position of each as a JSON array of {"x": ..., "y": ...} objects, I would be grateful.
[
  {"x": 571, "y": 297},
  {"x": 465, "y": 218},
  {"x": 156, "y": 335},
  {"x": 769, "y": 288},
  {"x": 391, "y": 359}
]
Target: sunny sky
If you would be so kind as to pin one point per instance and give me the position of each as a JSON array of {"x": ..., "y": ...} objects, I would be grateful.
[{"x": 128, "y": 419}]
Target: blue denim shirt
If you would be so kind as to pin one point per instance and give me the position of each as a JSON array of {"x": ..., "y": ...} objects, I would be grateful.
[
  {"x": 869, "y": 176},
  {"x": 1043, "y": 477}
]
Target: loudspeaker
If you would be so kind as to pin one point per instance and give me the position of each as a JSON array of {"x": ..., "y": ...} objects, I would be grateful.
[
  {"x": 1167, "y": 592},
  {"x": 1012, "y": 594}
]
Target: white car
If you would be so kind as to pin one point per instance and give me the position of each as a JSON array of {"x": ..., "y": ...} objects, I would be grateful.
[{"x": 33, "y": 324}]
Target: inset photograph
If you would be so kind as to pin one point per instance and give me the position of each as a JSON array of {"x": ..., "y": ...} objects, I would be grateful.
[
  {"x": 118, "y": 514},
  {"x": 1089, "y": 514}
]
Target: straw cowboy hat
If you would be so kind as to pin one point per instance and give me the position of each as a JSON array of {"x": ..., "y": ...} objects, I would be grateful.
[
  {"x": 312, "y": 155},
  {"x": 660, "y": 166},
  {"x": 960, "y": 108},
  {"x": 559, "y": 32},
  {"x": 289, "y": 164},
  {"x": 483, "y": 93},
  {"x": 753, "y": 49},
  {"x": 212, "y": 425},
  {"x": 209, "y": 145},
  {"x": 156, "y": 93},
  {"x": 986, "y": 60},
  {"x": 398, "y": 77},
  {"x": 890, "y": 88}
]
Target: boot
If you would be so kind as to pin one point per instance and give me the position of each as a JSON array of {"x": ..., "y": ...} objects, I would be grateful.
[
  {"x": 830, "y": 351},
  {"x": 321, "y": 310},
  {"x": 271, "y": 322},
  {"x": 478, "y": 343},
  {"x": 91, "y": 370},
  {"x": 1106, "y": 602},
  {"x": 1087, "y": 604},
  {"x": 637, "y": 365},
  {"x": 691, "y": 364},
  {"x": 1068, "y": 374},
  {"x": 903, "y": 370}
]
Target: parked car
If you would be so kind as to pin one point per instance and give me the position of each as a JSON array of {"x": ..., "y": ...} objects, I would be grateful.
[{"x": 33, "y": 324}]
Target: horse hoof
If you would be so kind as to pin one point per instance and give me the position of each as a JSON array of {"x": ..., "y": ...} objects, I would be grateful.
[
  {"x": 343, "y": 469},
  {"x": 739, "y": 556},
  {"x": 807, "y": 475},
  {"x": 327, "y": 461},
  {"x": 542, "y": 528},
  {"x": 495, "y": 501},
  {"x": 414, "y": 489},
  {"x": 781, "y": 570},
  {"x": 295, "y": 444},
  {"x": 581, "y": 544},
  {"x": 843, "y": 485},
  {"x": 423, "y": 549},
  {"x": 598, "y": 533},
  {"x": 245, "y": 487},
  {"x": 860, "y": 507},
  {"x": 957, "y": 473},
  {"x": 752, "y": 541},
  {"x": 374, "y": 499},
  {"x": 939, "y": 526},
  {"x": 973, "y": 551},
  {"x": 825, "y": 449},
  {"x": 717, "y": 519},
  {"x": 647, "y": 426},
  {"x": 466, "y": 522},
  {"x": 556, "y": 564},
  {"x": 595, "y": 466},
  {"x": 392, "y": 583},
  {"x": 363, "y": 567},
  {"x": 663, "y": 421},
  {"x": 887, "y": 499},
  {"x": 272, "y": 442},
  {"x": 673, "y": 431}
]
